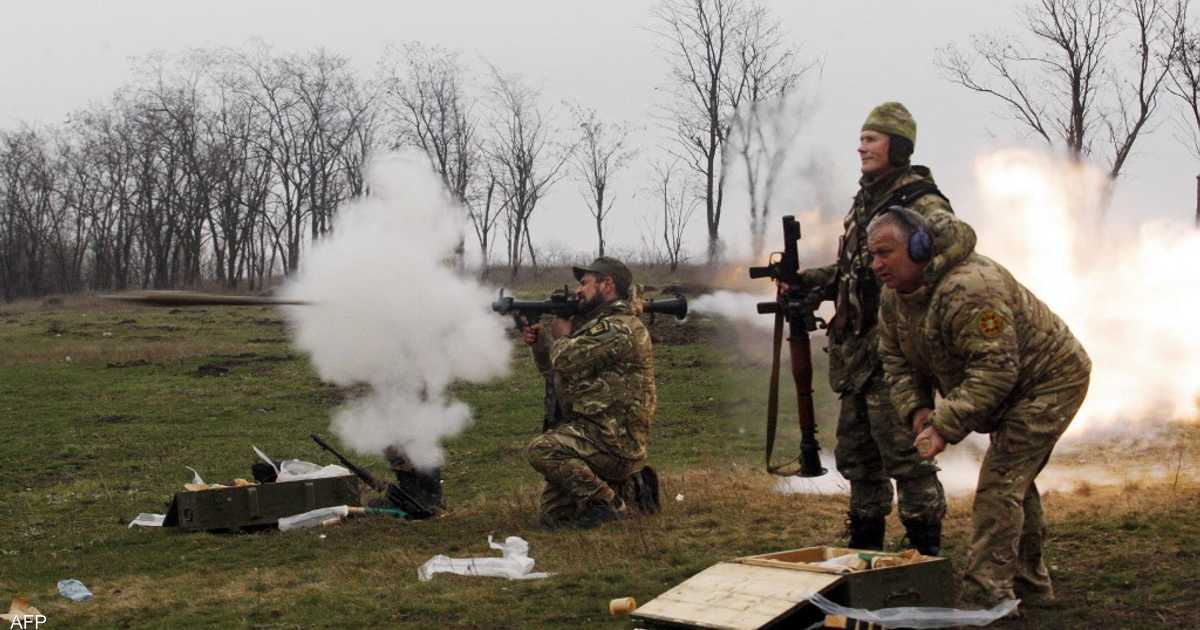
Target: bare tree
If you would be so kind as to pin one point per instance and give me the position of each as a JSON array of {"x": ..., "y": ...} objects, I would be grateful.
[
  {"x": 699, "y": 39},
  {"x": 602, "y": 151},
  {"x": 485, "y": 207},
  {"x": 431, "y": 110},
  {"x": 525, "y": 159},
  {"x": 766, "y": 125},
  {"x": 679, "y": 202},
  {"x": 1075, "y": 78}
]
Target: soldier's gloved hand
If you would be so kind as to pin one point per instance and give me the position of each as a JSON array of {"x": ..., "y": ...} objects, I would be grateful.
[
  {"x": 560, "y": 327},
  {"x": 529, "y": 333},
  {"x": 919, "y": 419}
]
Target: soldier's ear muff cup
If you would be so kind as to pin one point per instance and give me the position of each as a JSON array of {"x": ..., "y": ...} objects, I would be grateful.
[{"x": 920, "y": 243}]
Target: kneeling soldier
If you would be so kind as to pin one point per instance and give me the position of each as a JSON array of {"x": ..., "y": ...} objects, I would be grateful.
[{"x": 602, "y": 370}]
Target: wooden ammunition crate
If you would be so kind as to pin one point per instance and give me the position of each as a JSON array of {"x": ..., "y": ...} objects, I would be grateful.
[
  {"x": 260, "y": 505},
  {"x": 771, "y": 590}
]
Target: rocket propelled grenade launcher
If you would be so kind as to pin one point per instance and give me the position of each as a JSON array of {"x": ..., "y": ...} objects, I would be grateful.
[
  {"x": 797, "y": 304},
  {"x": 191, "y": 298},
  {"x": 564, "y": 304}
]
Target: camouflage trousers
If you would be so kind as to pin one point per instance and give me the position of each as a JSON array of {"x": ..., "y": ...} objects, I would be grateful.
[
  {"x": 577, "y": 471},
  {"x": 1009, "y": 526},
  {"x": 874, "y": 446}
]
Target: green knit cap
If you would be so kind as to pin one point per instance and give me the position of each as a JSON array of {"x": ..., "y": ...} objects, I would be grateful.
[{"x": 892, "y": 118}]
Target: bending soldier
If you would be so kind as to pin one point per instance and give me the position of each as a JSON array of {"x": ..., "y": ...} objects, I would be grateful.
[
  {"x": 1004, "y": 364},
  {"x": 873, "y": 444},
  {"x": 599, "y": 410}
]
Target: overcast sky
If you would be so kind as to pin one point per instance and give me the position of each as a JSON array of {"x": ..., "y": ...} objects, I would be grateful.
[{"x": 59, "y": 56}]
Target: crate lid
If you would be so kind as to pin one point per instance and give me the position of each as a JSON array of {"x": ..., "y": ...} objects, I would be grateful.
[{"x": 736, "y": 596}]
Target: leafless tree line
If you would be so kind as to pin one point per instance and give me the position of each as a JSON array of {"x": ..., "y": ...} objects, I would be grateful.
[
  {"x": 219, "y": 165},
  {"x": 224, "y": 165}
]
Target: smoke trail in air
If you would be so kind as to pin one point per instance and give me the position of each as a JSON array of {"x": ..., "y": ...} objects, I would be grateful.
[{"x": 391, "y": 313}]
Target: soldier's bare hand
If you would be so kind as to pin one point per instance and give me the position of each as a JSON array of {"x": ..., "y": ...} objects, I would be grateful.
[
  {"x": 529, "y": 333},
  {"x": 919, "y": 419},
  {"x": 560, "y": 327},
  {"x": 929, "y": 443}
]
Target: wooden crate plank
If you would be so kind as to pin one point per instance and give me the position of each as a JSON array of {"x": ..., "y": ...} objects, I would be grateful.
[{"x": 735, "y": 596}]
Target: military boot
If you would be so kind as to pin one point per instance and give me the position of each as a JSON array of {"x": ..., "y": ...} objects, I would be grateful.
[
  {"x": 924, "y": 536},
  {"x": 645, "y": 491},
  {"x": 866, "y": 533},
  {"x": 601, "y": 512}
]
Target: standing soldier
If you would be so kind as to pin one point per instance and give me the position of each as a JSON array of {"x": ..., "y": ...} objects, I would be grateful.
[
  {"x": 1004, "y": 364},
  {"x": 873, "y": 443},
  {"x": 599, "y": 411}
]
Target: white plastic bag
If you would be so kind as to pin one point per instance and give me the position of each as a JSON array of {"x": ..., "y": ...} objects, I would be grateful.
[
  {"x": 515, "y": 563},
  {"x": 313, "y": 518},
  {"x": 916, "y": 616},
  {"x": 148, "y": 520},
  {"x": 296, "y": 470}
]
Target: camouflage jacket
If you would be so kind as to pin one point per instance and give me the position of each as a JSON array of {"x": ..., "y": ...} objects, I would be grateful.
[
  {"x": 604, "y": 379},
  {"x": 853, "y": 358},
  {"x": 985, "y": 342}
]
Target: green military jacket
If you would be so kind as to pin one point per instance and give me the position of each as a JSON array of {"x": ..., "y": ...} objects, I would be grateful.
[
  {"x": 985, "y": 343},
  {"x": 604, "y": 379},
  {"x": 853, "y": 356}
]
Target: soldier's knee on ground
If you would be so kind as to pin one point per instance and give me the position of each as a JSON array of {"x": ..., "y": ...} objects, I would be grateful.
[{"x": 541, "y": 451}]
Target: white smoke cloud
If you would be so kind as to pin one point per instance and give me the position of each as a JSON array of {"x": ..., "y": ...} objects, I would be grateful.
[
  {"x": 391, "y": 313},
  {"x": 1128, "y": 294}
]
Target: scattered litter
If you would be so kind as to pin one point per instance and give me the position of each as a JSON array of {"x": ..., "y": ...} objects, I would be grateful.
[
  {"x": 195, "y": 476},
  {"x": 296, "y": 470},
  {"x": 514, "y": 565},
  {"x": 846, "y": 563},
  {"x": 148, "y": 520},
  {"x": 621, "y": 606},
  {"x": 320, "y": 517},
  {"x": 73, "y": 590},
  {"x": 20, "y": 609},
  {"x": 916, "y": 616},
  {"x": 679, "y": 497},
  {"x": 106, "y": 334}
]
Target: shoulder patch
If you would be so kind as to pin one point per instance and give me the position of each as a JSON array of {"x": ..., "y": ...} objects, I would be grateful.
[
  {"x": 599, "y": 328},
  {"x": 991, "y": 324}
]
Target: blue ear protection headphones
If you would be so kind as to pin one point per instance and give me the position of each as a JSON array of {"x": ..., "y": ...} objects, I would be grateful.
[{"x": 920, "y": 243}]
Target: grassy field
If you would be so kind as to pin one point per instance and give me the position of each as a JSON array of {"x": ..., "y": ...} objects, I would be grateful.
[{"x": 102, "y": 406}]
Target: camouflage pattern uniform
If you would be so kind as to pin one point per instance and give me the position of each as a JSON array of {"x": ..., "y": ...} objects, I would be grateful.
[
  {"x": 603, "y": 376},
  {"x": 1004, "y": 364},
  {"x": 874, "y": 443}
]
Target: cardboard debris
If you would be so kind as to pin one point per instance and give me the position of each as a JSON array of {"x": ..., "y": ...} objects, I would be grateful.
[{"x": 19, "y": 609}]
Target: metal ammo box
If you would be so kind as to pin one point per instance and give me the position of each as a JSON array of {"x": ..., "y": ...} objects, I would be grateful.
[
  {"x": 258, "y": 505},
  {"x": 772, "y": 590}
]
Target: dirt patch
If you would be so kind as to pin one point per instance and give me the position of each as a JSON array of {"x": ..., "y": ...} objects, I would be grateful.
[
  {"x": 211, "y": 369},
  {"x": 667, "y": 331},
  {"x": 333, "y": 395},
  {"x": 242, "y": 358},
  {"x": 129, "y": 364},
  {"x": 225, "y": 363},
  {"x": 267, "y": 340}
]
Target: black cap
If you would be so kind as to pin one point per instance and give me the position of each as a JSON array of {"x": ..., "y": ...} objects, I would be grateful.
[{"x": 608, "y": 266}]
